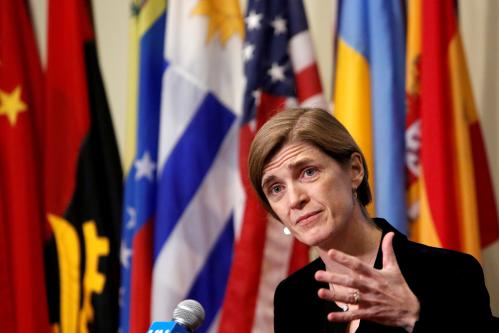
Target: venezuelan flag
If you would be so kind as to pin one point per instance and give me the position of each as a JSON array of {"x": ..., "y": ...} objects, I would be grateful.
[
  {"x": 369, "y": 96},
  {"x": 147, "y": 31}
]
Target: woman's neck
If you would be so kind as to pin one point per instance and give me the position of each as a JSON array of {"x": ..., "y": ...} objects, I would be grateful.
[{"x": 360, "y": 238}]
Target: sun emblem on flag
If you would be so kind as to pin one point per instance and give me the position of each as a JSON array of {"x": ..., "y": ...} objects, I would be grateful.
[{"x": 224, "y": 17}]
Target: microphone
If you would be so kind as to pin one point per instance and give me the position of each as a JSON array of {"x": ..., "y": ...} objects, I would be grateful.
[{"x": 187, "y": 317}]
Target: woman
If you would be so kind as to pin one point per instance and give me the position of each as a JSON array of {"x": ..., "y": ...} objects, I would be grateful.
[{"x": 310, "y": 175}]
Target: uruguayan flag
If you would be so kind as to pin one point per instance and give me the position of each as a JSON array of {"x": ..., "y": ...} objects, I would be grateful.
[{"x": 197, "y": 177}]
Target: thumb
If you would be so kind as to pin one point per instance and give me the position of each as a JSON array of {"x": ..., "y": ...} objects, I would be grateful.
[{"x": 389, "y": 259}]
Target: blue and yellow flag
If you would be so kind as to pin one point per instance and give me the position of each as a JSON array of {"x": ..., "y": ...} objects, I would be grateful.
[{"x": 369, "y": 96}]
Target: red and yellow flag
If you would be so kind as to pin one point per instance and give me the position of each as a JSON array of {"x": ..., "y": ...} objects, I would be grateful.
[
  {"x": 23, "y": 301},
  {"x": 450, "y": 197}
]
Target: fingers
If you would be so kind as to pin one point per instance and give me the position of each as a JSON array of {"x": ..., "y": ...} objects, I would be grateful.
[
  {"x": 351, "y": 262},
  {"x": 335, "y": 296},
  {"x": 383, "y": 296},
  {"x": 347, "y": 315},
  {"x": 343, "y": 280},
  {"x": 350, "y": 295},
  {"x": 389, "y": 259}
]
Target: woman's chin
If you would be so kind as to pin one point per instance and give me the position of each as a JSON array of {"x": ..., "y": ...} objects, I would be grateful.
[{"x": 313, "y": 239}]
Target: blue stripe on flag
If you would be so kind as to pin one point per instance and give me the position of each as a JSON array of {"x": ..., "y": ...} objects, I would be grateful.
[
  {"x": 125, "y": 271},
  {"x": 352, "y": 26},
  {"x": 387, "y": 55},
  {"x": 149, "y": 101},
  {"x": 140, "y": 195},
  {"x": 375, "y": 29},
  {"x": 209, "y": 287},
  {"x": 150, "y": 79},
  {"x": 188, "y": 163}
]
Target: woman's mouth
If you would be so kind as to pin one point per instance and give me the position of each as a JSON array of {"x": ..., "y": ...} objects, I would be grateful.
[{"x": 308, "y": 218}]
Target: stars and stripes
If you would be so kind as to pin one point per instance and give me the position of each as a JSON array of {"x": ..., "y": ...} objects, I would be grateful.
[
  {"x": 283, "y": 61},
  {"x": 280, "y": 71}
]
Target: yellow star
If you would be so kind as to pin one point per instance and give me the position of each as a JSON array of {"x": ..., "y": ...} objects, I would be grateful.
[
  {"x": 224, "y": 18},
  {"x": 11, "y": 104}
]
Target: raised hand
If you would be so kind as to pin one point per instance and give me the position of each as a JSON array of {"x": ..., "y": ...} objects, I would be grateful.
[{"x": 382, "y": 296}]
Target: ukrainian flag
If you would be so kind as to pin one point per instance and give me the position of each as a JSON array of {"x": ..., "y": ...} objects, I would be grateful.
[{"x": 369, "y": 96}]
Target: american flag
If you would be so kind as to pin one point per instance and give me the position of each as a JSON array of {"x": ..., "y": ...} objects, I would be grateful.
[{"x": 280, "y": 69}]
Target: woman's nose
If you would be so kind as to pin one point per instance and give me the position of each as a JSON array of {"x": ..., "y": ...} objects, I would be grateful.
[{"x": 297, "y": 197}]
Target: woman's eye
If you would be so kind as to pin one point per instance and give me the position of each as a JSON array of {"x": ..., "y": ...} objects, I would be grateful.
[
  {"x": 275, "y": 189},
  {"x": 309, "y": 172}
]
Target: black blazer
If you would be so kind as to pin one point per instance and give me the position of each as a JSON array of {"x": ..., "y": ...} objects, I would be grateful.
[{"x": 449, "y": 286}]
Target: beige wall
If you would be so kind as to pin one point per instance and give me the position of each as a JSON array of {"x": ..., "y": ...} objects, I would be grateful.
[
  {"x": 481, "y": 40},
  {"x": 480, "y": 32}
]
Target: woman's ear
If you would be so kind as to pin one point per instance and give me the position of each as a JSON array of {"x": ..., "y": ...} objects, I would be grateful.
[{"x": 356, "y": 170}]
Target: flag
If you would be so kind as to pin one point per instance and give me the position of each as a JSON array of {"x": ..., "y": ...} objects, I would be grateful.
[
  {"x": 181, "y": 188},
  {"x": 23, "y": 306},
  {"x": 147, "y": 32},
  {"x": 82, "y": 178},
  {"x": 450, "y": 193},
  {"x": 369, "y": 96},
  {"x": 197, "y": 183},
  {"x": 281, "y": 71}
]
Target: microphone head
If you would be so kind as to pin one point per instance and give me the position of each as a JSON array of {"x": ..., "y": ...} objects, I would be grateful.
[{"x": 189, "y": 313}]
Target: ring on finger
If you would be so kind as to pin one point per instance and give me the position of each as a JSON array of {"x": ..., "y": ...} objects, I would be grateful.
[{"x": 356, "y": 297}]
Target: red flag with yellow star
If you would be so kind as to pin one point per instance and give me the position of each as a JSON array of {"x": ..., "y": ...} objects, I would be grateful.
[{"x": 23, "y": 305}]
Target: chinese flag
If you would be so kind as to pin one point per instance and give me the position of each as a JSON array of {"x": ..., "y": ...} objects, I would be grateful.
[{"x": 23, "y": 305}]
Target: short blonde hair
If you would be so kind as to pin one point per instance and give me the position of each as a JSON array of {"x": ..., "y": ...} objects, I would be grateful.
[{"x": 310, "y": 125}]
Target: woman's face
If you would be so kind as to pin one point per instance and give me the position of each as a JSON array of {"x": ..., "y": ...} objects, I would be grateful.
[{"x": 311, "y": 193}]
